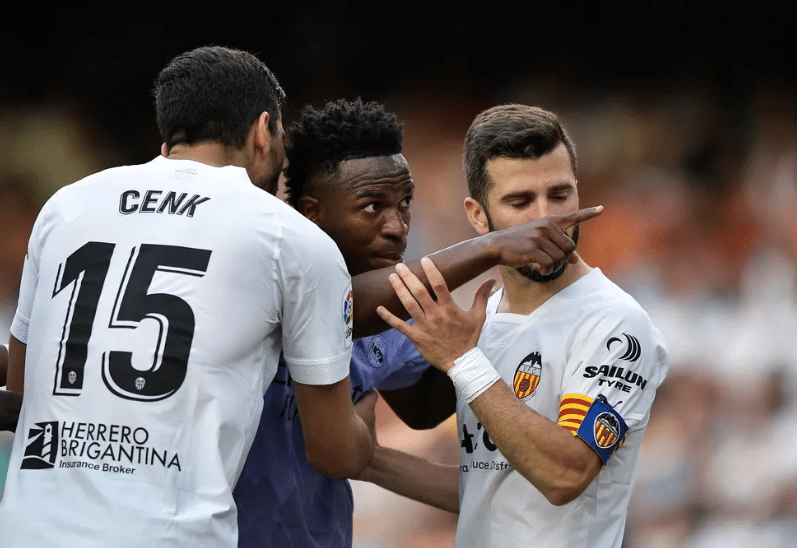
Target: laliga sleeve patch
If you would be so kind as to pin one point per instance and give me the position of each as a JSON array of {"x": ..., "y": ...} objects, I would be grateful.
[
  {"x": 603, "y": 428},
  {"x": 348, "y": 315}
]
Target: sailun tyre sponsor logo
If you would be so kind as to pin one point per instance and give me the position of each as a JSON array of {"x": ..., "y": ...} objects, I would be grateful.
[
  {"x": 633, "y": 350},
  {"x": 527, "y": 375},
  {"x": 110, "y": 448}
]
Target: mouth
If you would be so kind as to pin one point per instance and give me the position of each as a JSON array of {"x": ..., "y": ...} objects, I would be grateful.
[{"x": 391, "y": 259}]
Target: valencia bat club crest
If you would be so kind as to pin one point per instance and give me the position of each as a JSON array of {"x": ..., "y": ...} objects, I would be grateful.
[
  {"x": 607, "y": 430},
  {"x": 527, "y": 375}
]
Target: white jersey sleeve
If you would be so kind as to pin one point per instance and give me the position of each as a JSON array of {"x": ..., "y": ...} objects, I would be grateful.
[
  {"x": 315, "y": 280},
  {"x": 30, "y": 277},
  {"x": 620, "y": 355}
]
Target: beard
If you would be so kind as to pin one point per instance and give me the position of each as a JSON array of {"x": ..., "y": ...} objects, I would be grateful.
[{"x": 532, "y": 272}]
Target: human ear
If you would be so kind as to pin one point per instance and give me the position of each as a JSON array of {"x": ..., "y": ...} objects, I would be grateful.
[
  {"x": 477, "y": 216},
  {"x": 311, "y": 208},
  {"x": 262, "y": 136}
]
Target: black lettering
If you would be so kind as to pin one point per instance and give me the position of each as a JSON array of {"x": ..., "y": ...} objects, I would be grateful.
[
  {"x": 108, "y": 452},
  {"x": 175, "y": 462},
  {"x": 172, "y": 203},
  {"x": 488, "y": 443},
  {"x": 124, "y": 206},
  {"x": 140, "y": 436},
  {"x": 190, "y": 206},
  {"x": 155, "y": 455},
  {"x": 590, "y": 372},
  {"x": 125, "y": 434},
  {"x": 150, "y": 198},
  {"x": 467, "y": 438},
  {"x": 123, "y": 452}
]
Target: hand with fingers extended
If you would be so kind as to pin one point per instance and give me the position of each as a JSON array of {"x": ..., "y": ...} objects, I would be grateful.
[
  {"x": 543, "y": 242},
  {"x": 441, "y": 331}
]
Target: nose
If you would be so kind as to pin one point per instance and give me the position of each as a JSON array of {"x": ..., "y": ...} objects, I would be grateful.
[
  {"x": 396, "y": 226},
  {"x": 537, "y": 210}
]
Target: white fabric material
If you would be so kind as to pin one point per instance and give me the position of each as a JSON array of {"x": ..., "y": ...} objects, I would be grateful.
[
  {"x": 139, "y": 442},
  {"x": 575, "y": 332},
  {"x": 472, "y": 374}
]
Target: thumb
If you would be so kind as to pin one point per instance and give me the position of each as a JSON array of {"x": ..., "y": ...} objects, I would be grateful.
[{"x": 482, "y": 295}]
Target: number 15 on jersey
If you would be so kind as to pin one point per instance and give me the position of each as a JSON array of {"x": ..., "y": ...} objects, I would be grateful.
[{"x": 84, "y": 274}]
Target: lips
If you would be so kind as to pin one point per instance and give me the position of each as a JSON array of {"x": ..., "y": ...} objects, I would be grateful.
[{"x": 389, "y": 259}]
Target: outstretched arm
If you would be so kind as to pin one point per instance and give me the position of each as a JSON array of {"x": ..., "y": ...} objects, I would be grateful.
[
  {"x": 543, "y": 242},
  {"x": 413, "y": 477},
  {"x": 558, "y": 464}
]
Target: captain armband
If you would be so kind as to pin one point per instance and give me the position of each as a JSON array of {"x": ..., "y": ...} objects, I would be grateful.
[
  {"x": 472, "y": 374},
  {"x": 594, "y": 421}
]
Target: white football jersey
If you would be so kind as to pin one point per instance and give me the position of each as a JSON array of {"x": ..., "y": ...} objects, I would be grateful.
[
  {"x": 155, "y": 302},
  {"x": 588, "y": 342}
]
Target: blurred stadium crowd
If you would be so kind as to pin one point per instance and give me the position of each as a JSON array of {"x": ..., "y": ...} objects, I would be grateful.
[{"x": 700, "y": 225}]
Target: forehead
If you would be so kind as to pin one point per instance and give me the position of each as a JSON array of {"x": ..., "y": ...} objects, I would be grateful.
[
  {"x": 377, "y": 171},
  {"x": 531, "y": 174}
]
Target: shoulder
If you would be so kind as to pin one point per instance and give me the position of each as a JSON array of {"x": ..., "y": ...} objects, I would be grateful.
[{"x": 606, "y": 311}]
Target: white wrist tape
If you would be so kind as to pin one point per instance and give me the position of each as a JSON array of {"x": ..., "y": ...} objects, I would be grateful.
[{"x": 472, "y": 374}]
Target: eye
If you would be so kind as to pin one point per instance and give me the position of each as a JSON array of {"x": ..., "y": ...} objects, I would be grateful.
[
  {"x": 372, "y": 207},
  {"x": 407, "y": 201}
]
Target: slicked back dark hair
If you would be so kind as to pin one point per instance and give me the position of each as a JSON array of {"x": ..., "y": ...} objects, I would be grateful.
[
  {"x": 214, "y": 93},
  {"x": 509, "y": 131},
  {"x": 319, "y": 140}
]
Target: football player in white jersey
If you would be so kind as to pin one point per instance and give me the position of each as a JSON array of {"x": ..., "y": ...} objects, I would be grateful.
[
  {"x": 554, "y": 388},
  {"x": 155, "y": 303},
  {"x": 346, "y": 172}
]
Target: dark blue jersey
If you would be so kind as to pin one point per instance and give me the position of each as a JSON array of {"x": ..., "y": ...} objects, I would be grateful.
[{"x": 283, "y": 502}]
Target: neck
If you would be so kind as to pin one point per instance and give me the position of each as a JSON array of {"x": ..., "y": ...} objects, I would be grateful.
[
  {"x": 524, "y": 296},
  {"x": 209, "y": 153}
]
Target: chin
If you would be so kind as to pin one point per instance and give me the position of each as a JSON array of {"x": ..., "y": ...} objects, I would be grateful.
[{"x": 533, "y": 273}]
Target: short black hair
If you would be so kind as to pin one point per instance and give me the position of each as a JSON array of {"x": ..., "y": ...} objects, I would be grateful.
[
  {"x": 319, "y": 140},
  {"x": 510, "y": 131},
  {"x": 214, "y": 93}
]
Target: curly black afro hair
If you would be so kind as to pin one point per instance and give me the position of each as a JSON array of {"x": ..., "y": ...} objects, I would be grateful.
[{"x": 342, "y": 130}]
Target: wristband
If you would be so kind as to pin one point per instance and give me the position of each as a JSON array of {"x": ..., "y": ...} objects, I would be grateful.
[{"x": 472, "y": 374}]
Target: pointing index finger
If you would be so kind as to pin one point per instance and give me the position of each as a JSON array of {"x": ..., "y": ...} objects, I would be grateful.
[{"x": 576, "y": 217}]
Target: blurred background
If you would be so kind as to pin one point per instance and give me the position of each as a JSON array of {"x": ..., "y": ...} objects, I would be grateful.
[{"x": 684, "y": 116}]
